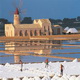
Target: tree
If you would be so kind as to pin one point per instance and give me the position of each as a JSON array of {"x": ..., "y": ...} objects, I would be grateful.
[
  {"x": 27, "y": 20},
  {"x": 78, "y": 18},
  {"x": 4, "y": 21},
  {"x": 55, "y": 21},
  {"x": 69, "y": 21}
]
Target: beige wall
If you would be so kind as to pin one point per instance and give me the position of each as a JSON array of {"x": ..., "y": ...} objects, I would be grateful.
[
  {"x": 16, "y": 19},
  {"x": 9, "y": 30}
]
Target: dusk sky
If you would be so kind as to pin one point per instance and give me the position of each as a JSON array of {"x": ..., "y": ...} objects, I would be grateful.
[{"x": 38, "y": 9}]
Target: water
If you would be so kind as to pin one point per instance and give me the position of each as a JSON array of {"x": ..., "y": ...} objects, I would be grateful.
[{"x": 66, "y": 50}]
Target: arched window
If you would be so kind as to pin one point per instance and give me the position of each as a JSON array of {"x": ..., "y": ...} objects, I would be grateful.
[
  {"x": 52, "y": 31},
  {"x": 35, "y": 33},
  {"x": 49, "y": 32},
  {"x": 40, "y": 32},
  {"x": 44, "y": 29},
  {"x": 21, "y": 33},
  {"x": 48, "y": 28},
  {"x": 26, "y": 34},
  {"x": 31, "y": 34}
]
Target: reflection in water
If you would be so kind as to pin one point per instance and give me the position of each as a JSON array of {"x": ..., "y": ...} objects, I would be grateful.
[{"x": 37, "y": 47}]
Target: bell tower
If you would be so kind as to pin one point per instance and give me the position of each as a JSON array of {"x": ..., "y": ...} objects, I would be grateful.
[{"x": 16, "y": 17}]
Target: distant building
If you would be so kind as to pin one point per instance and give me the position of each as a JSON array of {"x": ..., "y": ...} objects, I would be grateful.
[
  {"x": 38, "y": 28},
  {"x": 56, "y": 29}
]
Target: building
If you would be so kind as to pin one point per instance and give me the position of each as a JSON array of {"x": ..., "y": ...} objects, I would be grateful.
[
  {"x": 56, "y": 30},
  {"x": 38, "y": 28}
]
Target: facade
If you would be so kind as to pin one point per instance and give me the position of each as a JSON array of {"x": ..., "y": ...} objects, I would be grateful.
[{"x": 38, "y": 28}]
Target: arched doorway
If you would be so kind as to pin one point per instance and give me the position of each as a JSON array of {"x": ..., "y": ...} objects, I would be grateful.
[
  {"x": 31, "y": 34},
  {"x": 52, "y": 31},
  {"x": 26, "y": 34},
  {"x": 35, "y": 33},
  {"x": 40, "y": 32},
  {"x": 21, "y": 34}
]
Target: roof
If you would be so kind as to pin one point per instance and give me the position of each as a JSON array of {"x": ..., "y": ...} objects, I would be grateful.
[
  {"x": 27, "y": 26},
  {"x": 72, "y": 30},
  {"x": 56, "y": 26},
  {"x": 17, "y": 11},
  {"x": 43, "y": 20}
]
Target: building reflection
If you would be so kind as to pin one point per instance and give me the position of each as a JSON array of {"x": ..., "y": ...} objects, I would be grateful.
[{"x": 37, "y": 47}]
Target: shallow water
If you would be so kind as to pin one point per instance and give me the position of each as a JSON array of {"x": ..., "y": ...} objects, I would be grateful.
[{"x": 45, "y": 49}]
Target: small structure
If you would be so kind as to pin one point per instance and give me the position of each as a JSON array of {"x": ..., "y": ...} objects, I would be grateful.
[
  {"x": 72, "y": 30},
  {"x": 56, "y": 30}
]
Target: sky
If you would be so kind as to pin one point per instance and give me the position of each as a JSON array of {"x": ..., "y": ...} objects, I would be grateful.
[{"x": 38, "y": 9}]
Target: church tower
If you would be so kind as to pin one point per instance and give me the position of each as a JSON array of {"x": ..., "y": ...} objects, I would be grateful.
[{"x": 16, "y": 17}]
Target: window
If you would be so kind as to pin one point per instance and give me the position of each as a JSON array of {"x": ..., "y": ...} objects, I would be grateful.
[
  {"x": 35, "y": 33},
  {"x": 26, "y": 34},
  {"x": 21, "y": 33},
  {"x": 44, "y": 29},
  {"x": 31, "y": 34},
  {"x": 49, "y": 32},
  {"x": 40, "y": 32},
  {"x": 52, "y": 31}
]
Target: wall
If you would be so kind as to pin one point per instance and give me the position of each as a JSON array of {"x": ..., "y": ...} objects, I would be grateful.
[{"x": 9, "y": 30}]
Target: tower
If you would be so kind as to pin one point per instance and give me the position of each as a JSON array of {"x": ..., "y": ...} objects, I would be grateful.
[{"x": 16, "y": 17}]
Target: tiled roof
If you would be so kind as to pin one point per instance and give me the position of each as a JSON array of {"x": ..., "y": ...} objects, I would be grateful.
[{"x": 27, "y": 26}]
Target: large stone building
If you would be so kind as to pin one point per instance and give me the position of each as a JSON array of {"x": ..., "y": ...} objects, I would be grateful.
[{"x": 38, "y": 28}]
